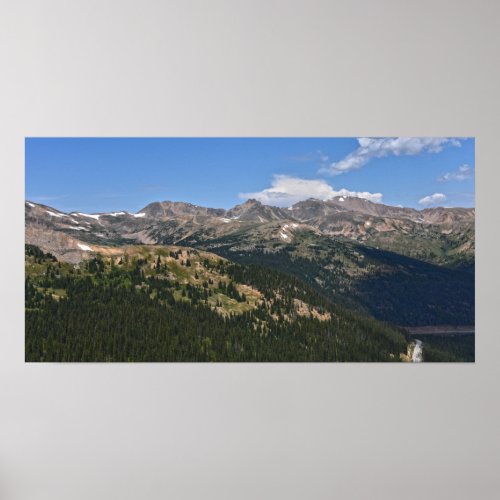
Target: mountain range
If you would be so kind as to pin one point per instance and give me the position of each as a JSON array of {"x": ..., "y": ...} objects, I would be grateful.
[
  {"x": 401, "y": 265},
  {"x": 438, "y": 235}
]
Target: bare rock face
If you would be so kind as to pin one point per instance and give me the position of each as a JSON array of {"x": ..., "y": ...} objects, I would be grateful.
[
  {"x": 58, "y": 243},
  {"x": 165, "y": 210},
  {"x": 253, "y": 210}
]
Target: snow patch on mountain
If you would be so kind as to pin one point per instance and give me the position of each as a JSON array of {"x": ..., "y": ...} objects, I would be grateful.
[
  {"x": 142, "y": 214},
  {"x": 85, "y": 248},
  {"x": 52, "y": 214},
  {"x": 92, "y": 216}
]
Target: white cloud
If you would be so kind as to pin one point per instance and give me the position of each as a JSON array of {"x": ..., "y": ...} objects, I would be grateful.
[
  {"x": 370, "y": 148},
  {"x": 286, "y": 190},
  {"x": 461, "y": 174},
  {"x": 432, "y": 199}
]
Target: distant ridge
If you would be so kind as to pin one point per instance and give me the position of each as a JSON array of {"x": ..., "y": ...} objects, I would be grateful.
[{"x": 434, "y": 234}]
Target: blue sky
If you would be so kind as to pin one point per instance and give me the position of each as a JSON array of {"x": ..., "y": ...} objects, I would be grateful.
[{"x": 109, "y": 174}]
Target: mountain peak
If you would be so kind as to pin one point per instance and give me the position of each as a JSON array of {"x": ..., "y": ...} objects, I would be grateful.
[
  {"x": 251, "y": 202},
  {"x": 162, "y": 209},
  {"x": 254, "y": 210}
]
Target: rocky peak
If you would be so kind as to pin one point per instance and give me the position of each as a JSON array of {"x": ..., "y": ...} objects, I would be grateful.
[
  {"x": 169, "y": 209},
  {"x": 254, "y": 210}
]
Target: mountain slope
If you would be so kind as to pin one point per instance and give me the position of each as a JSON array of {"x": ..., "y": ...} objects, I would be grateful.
[
  {"x": 177, "y": 304},
  {"x": 387, "y": 285},
  {"x": 438, "y": 235}
]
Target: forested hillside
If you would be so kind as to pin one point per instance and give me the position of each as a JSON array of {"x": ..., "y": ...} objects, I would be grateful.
[
  {"x": 181, "y": 304},
  {"x": 386, "y": 285}
]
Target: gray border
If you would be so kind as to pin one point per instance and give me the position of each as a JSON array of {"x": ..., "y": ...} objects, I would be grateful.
[{"x": 245, "y": 68}]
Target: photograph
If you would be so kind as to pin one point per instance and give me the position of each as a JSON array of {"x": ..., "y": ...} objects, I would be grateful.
[{"x": 353, "y": 249}]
